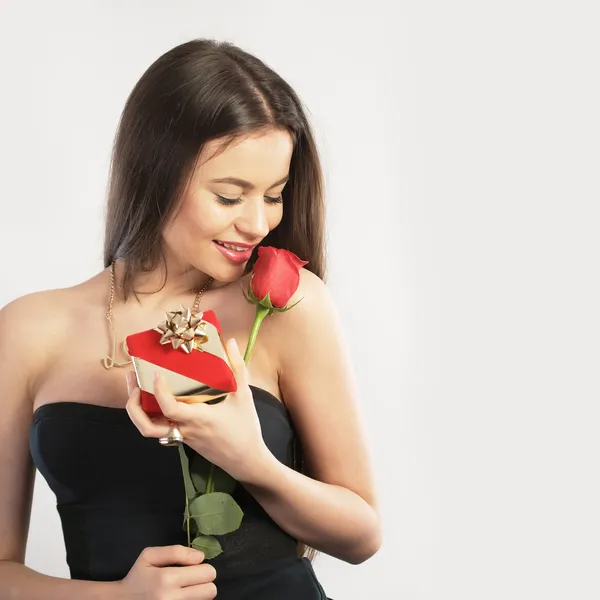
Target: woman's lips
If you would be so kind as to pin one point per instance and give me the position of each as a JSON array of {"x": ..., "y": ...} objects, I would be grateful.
[{"x": 234, "y": 256}]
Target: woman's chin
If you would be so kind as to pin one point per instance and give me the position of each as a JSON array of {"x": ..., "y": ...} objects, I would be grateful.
[{"x": 228, "y": 273}]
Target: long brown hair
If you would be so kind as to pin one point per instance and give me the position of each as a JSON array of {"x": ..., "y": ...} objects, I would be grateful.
[{"x": 200, "y": 91}]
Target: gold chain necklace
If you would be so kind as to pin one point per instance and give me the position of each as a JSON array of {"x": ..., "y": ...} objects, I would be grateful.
[{"x": 110, "y": 361}]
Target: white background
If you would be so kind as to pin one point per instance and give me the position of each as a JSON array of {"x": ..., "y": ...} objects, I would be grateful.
[{"x": 461, "y": 144}]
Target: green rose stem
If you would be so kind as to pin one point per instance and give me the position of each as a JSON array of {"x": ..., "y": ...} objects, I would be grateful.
[
  {"x": 261, "y": 313},
  {"x": 209, "y": 480},
  {"x": 189, "y": 489},
  {"x": 187, "y": 520}
]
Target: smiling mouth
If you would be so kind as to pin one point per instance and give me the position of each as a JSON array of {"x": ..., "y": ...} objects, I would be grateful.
[{"x": 233, "y": 246}]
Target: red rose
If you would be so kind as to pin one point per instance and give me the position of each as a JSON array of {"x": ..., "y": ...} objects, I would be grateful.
[
  {"x": 276, "y": 274},
  {"x": 275, "y": 279}
]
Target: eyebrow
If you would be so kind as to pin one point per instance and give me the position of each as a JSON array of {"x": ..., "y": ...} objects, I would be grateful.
[{"x": 246, "y": 184}]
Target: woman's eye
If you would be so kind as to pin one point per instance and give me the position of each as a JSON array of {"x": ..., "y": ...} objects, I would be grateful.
[
  {"x": 272, "y": 200},
  {"x": 232, "y": 201},
  {"x": 228, "y": 201}
]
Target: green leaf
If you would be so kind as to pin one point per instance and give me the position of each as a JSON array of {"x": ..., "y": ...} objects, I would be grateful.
[
  {"x": 286, "y": 308},
  {"x": 216, "y": 513},
  {"x": 252, "y": 299},
  {"x": 222, "y": 481},
  {"x": 185, "y": 469},
  {"x": 249, "y": 297},
  {"x": 193, "y": 526},
  {"x": 199, "y": 470},
  {"x": 266, "y": 301},
  {"x": 207, "y": 544}
]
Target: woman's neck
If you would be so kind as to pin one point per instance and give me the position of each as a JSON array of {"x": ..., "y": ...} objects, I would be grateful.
[{"x": 163, "y": 286}]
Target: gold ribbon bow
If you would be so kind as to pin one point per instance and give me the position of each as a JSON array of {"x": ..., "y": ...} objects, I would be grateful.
[{"x": 183, "y": 330}]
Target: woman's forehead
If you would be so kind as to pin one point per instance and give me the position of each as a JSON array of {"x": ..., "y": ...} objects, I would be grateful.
[{"x": 261, "y": 159}]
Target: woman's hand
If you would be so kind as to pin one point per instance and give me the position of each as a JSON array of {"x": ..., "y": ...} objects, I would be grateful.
[
  {"x": 154, "y": 576},
  {"x": 227, "y": 434}
]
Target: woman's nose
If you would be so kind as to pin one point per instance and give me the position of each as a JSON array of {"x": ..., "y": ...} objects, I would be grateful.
[{"x": 253, "y": 220}]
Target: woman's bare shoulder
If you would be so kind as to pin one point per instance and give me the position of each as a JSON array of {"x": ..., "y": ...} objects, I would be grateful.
[
  {"x": 31, "y": 324},
  {"x": 34, "y": 311},
  {"x": 46, "y": 308},
  {"x": 311, "y": 297},
  {"x": 313, "y": 309}
]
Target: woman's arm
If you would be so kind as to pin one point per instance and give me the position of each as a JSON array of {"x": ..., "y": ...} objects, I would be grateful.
[
  {"x": 333, "y": 510},
  {"x": 18, "y": 582},
  {"x": 22, "y": 352}
]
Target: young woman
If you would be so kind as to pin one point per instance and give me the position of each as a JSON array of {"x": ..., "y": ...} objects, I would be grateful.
[{"x": 213, "y": 157}]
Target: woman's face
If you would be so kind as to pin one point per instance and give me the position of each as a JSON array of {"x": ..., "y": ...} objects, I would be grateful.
[{"x": 232, "y": 202}]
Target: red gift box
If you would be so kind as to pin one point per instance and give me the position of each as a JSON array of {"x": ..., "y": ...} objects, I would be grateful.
[{"x": 189, "y": 351}]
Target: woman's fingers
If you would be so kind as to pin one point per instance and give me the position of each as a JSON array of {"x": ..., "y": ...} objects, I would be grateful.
[
  {"x": 205, "y": 591},
  {"x": 146, "y": 426},
  {"x": 131, "y": 382},
  {"x": 237, "y": 363},
  {"x": 193, "y": 575},
  {"x": 196, "y": 415},
  {"x": 163, "y": 556},
  {"x": 180, "y": 412}
]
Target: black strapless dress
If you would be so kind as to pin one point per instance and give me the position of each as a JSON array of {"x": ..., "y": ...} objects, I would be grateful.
[{"x": 118, "y": 493}]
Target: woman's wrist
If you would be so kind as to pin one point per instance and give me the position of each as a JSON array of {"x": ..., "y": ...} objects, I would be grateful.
[
  {"x": 262, "y": 468},
  {"x": 113, "y": 590}
]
